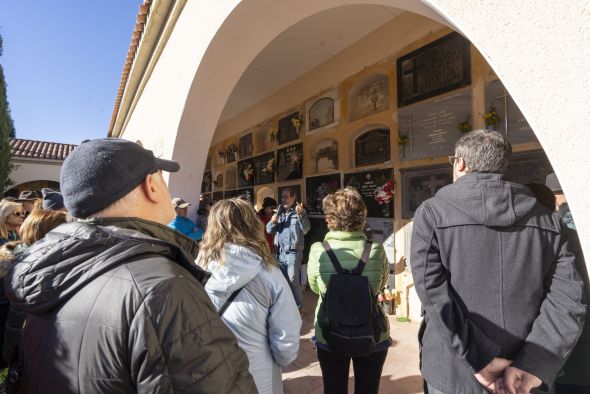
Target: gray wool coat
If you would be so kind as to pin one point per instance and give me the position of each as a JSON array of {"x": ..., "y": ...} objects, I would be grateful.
[{"x": 496, "y": 279}]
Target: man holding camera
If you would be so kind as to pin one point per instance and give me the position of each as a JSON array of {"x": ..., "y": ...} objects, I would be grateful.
[{"x": 289, "y": 225}]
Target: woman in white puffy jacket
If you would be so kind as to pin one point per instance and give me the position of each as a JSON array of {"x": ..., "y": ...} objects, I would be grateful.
[{"x": 263, "y": 315}]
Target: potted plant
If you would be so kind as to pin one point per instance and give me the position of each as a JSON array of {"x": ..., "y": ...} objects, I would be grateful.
[
  {"x": 402, "y": 141},
  {"x": 491, "y": 118}
]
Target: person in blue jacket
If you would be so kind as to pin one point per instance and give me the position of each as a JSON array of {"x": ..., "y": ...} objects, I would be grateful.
[{"x": 183, "y": 224}]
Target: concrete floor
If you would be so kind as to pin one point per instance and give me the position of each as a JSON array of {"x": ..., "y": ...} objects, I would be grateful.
[{"x": 401, "y": 374}]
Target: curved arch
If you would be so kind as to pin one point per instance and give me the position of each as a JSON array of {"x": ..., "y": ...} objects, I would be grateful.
[{"x": 545, "y": 85}]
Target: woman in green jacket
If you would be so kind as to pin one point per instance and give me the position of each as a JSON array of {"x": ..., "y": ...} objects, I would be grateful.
[{"x": 346, "y": 214}]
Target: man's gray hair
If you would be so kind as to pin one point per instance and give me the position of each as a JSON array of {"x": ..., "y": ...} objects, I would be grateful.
[{"x": 484, "y": 151}]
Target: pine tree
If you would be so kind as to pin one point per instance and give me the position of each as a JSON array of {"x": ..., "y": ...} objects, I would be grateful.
[{"x": 6, "y": 131}]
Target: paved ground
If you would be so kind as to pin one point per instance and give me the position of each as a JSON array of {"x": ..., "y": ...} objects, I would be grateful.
[{"x": 400, "y": 373}]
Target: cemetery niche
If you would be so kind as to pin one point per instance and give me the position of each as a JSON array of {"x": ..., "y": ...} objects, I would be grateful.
[
  {"x": 217, "y": 196},
  {"x": 369, "y": 96},
  {"x": 264, "y": 168},
  {"x": 218, "y": 182},
  {"x": 321, "y": 113},
  {"x": 206, "y": 183},
  {"x": 318, "y": 187},
  {"x": 377, "y": 190},
  {"x": 431, "y": 128},
  {"x": 231, "y": 180},
  {"x": 265, "y": 136},
  {"x": 324, "y": 155},
  {"x": 289, "y": 128},
  {"x": 290, "y": 163},
  {"x": 372, "y": 147},
  {"x": 247, "y": 193},
  {"x": 246, "y": 148},
  {"x": 418, "y": 185},
  {"x": 511, "y": 122},
  {"x": 231, "y": 153},
  {"x": 436, "y": 68},
  {"x": 246, "y": 173}
]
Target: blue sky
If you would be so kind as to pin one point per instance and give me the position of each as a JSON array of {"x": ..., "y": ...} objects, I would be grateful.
[{"x": 62, "y": 63}]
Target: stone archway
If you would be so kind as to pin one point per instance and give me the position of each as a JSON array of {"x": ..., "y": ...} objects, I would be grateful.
[{"x": 549, "y": 87}]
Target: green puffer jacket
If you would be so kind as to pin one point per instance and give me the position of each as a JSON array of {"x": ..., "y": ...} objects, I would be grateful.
[{"x": 348, "y": 247}]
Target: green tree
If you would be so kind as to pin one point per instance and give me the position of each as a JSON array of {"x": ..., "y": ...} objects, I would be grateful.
[{"x": 6, "y": 131}]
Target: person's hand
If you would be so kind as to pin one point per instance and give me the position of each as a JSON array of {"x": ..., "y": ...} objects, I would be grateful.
[
  {"x": 490, "y": 373},
  {"x": 299, "y": 208},
  {"x": 274, "y": 218},
  {"x": 517, "y": 381}
]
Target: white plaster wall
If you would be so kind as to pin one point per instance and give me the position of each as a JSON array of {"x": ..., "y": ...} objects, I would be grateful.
[
  {"x": 28, "y": 171},
  {"x": 539, "y": 48}
]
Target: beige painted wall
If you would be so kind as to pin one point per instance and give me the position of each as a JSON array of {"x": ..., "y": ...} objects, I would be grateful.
[{"x": 34, "y": 170}]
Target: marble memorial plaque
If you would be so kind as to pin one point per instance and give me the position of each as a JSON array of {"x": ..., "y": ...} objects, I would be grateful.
[
  {"x": 512, "y": 122},
  {"x": 374, "y": 186},
  {"x": 418, "y": 185},
  {"x": 287, "y": 130},
  {"x": 433, "y": 126},
  {"x": 231, "y": 178},
  {"x": 246, "y": 173},
  {"x": 290, "y": 163},
  {"x": 318, "y": 187},
  {"x": 208, "y": 163},
  {"x": 218, "y": 182},
  {"x": 436, "y": 68},
  {"x": 369, "y": 96},
  {"x": 264, "y": 168},
  {"x": 372, "y": 147},
  {"x": 317, "y": 233},
  {"x": 245, "y": 146}
]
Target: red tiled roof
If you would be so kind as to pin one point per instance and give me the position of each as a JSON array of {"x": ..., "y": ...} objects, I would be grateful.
[
  {"x": 29, "y": 149},
  {"x": 142, "y": 15}
]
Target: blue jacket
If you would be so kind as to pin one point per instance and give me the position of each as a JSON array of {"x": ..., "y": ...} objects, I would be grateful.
[
  {"x": 186, "y": 226},
  {"x": 289, "y": 231}
]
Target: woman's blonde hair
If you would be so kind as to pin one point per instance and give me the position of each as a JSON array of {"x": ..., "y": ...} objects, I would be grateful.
[
  {"x": 39, "y": 223},
  {"x": 7, "y": 208},
  {"x": 233, "y": 221},
  {"x": 345, "y": 210}
]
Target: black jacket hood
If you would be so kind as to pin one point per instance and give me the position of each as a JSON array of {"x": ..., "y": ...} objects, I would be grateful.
[{"x": 74, "y": 254}]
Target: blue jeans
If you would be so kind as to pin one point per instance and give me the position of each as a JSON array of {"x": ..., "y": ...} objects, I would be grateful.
[{"x": 290, "y": 264}]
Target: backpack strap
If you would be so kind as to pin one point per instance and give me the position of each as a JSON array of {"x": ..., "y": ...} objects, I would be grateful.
[
  {"x": 363, "y": 260},
  {"x": 334, "y": 259},
  {"x": 229, "y": 301}
]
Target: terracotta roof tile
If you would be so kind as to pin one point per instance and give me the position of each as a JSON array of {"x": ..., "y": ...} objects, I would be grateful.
[
  {"x": 30, "y": 149},
  {"x": 136, "y": 36}
]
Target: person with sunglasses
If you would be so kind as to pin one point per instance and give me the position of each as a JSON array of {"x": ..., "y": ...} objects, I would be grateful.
[{"x": 12, "y": 215}]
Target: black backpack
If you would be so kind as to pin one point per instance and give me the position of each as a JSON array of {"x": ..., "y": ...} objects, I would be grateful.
[{"x": 352, "y": 321}]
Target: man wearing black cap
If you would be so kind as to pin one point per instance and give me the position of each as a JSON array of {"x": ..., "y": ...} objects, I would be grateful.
[{"x": 114, "y": 301}]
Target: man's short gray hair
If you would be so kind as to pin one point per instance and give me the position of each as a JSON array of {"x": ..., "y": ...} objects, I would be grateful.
[{"x": 484, "y": 151}]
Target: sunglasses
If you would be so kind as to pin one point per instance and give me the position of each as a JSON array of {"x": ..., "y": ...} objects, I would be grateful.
[
  {"x": 18, "y": 214},
  {"x": 452, "y": 160}
]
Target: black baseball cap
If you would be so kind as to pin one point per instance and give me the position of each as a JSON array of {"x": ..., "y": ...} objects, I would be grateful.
[{"x": 99, "y": 172}]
